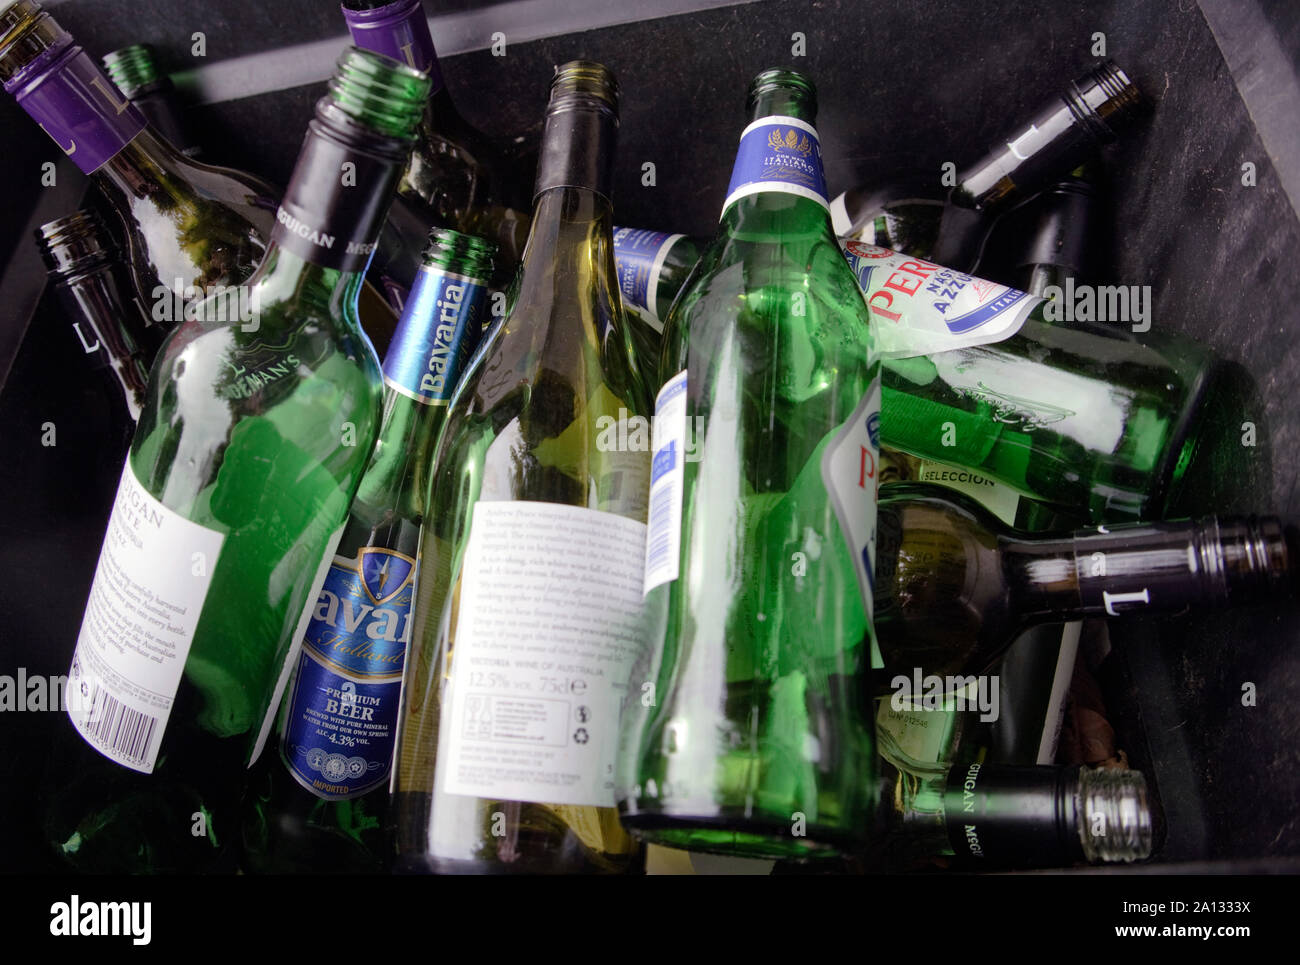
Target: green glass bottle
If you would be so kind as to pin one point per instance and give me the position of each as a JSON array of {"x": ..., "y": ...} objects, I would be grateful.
[
  {"x": 456, "y": 177},
  {"x": 135, "y": 72},
  {"x": 981, "y": 376},
  {"x": 321, "y": 803},
  {"x": 186, "y": 227},
  {"x": 526, "y": 620},
  {"x": 745, "y": 733},
  {"x": 251, "y": 442}
]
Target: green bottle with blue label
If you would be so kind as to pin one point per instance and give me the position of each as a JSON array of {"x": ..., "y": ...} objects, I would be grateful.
[
  {"x": 320, "y": 803},
  {"x": 745, "y": 732}
]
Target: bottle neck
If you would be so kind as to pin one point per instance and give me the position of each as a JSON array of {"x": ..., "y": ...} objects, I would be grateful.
[
  {"x": 398, "y": 30},
  {"x": 58, "y": 84},
  {"x": 1057, "y": 139},
  {"x": 1007, "y": 816},
  {"x": 1058, "y": 248},
  {"x": 440, "y": 327},
  {"x": 779, "y": 160},
  {"x": 1147, "y": 566}
]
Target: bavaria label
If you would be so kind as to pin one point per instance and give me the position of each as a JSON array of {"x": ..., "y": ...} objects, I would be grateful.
[
  {"x": 153, "y": 575},
  {"x": 849, "y": 472},
  {"x": 779, "y": 154},
  {"x": 663, "y": 544},
  {"x": 341, "y": 717},
  {"x": 639, "y": 258},
  {"x": 920, "y": 308},
  {"x": 440, "y": 327},
  {"x": 549, "y": 626}
]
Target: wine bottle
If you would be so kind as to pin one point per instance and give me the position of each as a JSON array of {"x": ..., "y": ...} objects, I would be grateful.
[
  {"x": 187, "y": 227},
  {"x": 976, "y": 376},
  {"x": 954, "y": 585},
  {"x": 456, "y": 178},
  {"x": 1060, "y": 136},
  {"x": 652, "y": 267},
  {"x": 745, "y": 734},
  {"x": 321, "y": 803},
  {"x": 135, "y": 73},
  {"x": 527, "y": 614},
  {"x": 251, "y": 443},
  {"x": 1061, "y": 243},
  {"x": 92, "y": 294},
  {"x": 983, "y": 816}
]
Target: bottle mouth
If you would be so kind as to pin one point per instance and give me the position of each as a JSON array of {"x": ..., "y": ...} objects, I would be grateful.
[
  {"x": 29, "y": 38},
  {"x": 70, "y": 242},
  {"x": 456, "y": 251},
  {"x": 583, "y": 84},
  {"x": 1116, "y": 815},
  {"x": 1104, "y": 98},
  {"x": 131, "y": 68},
  {"x": 782, "y": 79},
  {"x": 379, "y": 92},
  {"x": 379, "y": 15}
]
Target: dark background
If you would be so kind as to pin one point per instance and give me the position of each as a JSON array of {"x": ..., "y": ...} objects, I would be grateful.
[{"x": 903, "y": 87}]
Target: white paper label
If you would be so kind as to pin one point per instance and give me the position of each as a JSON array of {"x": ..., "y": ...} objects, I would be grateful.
[
  {"x": 153, "y": 576},
  {"x": 849, "y": 470},
  {"x": 920, "y": 308},
  {"x": 548, "y": 629},
  {"x": 1001, "y": 500},
  {"x": 667, "y": 477}
]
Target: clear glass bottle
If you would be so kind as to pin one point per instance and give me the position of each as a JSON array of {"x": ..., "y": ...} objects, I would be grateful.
[{"x": 527, "y": 615}]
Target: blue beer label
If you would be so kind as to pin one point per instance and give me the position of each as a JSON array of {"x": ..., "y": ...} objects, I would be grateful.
[
  {"x": 441, "y": 324},
  {"x": 778, "y": 154},
  {"x": 639, "y": 258},
  {"x": 338, "y": 737}
]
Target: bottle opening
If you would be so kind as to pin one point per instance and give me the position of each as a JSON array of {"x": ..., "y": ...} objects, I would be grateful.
[
  {"x": 583, "y": 83},
  {"x": 459, "y": 252},
  {"x": 1116, "y": 813},
  {"x": 379, "y": 92},
  {"x": 782, "y": 79},
  {"x": 131, "y": 68}
]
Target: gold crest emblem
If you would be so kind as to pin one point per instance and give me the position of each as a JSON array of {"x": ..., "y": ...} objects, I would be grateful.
[{"x": 792, "y": 141}]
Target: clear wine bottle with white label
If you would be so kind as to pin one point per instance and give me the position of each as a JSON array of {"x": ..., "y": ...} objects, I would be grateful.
[
  {"x": 527, "y": 615},
  {"x": 260, "y": 415},
  {"x": 744, "y": 733},
  {"x": 318, "y": 802}
]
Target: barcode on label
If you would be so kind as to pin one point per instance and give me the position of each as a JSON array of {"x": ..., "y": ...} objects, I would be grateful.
[
  {"x": 127, "y": 733},
  {"x": 659, "y": 537}
]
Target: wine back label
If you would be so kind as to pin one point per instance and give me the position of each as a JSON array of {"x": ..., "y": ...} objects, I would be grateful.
[
  {"x": 440, "y": 327},
  {"x": 663, "y": 545},
  {"x": 341, "y": 718},
  {"x": 779, "y": 154},
  {"x": 336, "y": 200},
  {"x": 639, "y": 258},
  {"x": 849, "y": 471},
  {"x": 152, "y": 578},
  {"x": 72, "y": 100},
  {"x": 999, "y": 499},
  {"x": 549, "y": 627},
  {"x": 920, "y": 308},
  {"x": 398, "y": 30}
]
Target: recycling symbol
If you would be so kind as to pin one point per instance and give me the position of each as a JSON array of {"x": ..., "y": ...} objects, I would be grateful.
[{"x": 580, "y": 735}]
